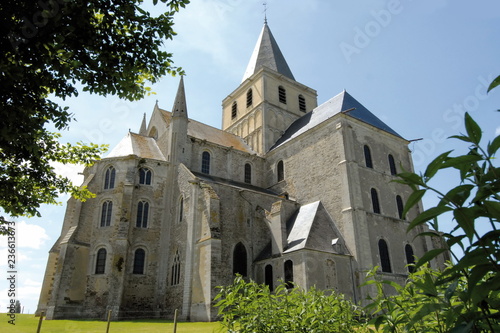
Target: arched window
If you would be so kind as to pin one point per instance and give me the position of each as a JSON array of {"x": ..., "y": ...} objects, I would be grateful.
[
  {"x": 249, "y": 97},
  {"x": 234, "y": 110},
  {"x": 181, "y": 209},
  {"x": 281, "y": 171},
  {"x": 100, "y": 263},
  {"x": 144, "y": 176},
  {"x": 109, "y": 178},
  {"x": 268, "y": 277},
  {"x": 106, "y": 212},
  {"x": 142, "y": 214},
  {"x": 240, "y": 260},
  {"x": 375, "y": 202},
  {"x": 385, "y": 261},
  {"x": 399, "y": 203},
  {"x": 175, "y": 277},
  {"x": 205, "y": 162},
  {"x": 289, "y": 274},
  {"x": 282, "y": 94},
  {"x": 248, "y": 173},
  {"x": 410, "y": 258},
  {"x": 302, "y": 103},
  {"x": 392, "y": 165},
  {"x": 139, "y": 259},
  {"x": 368, "y": 157}
]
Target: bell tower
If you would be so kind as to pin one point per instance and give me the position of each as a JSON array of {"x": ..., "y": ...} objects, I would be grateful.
[{"x": 268, "y": 99}]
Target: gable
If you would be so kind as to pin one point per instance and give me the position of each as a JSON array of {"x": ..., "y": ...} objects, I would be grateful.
[
  {"x": 138, "y": 145},
  {"x": 313, "y": 228}
]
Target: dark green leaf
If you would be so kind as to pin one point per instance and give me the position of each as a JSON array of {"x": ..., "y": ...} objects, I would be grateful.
[
  {"x": 493, "y": 208},
  {"x": 458, "y": 161},
  {"x": 460, "y": 137},
  {"x": 494, "y": 83},
  {"x": 428, "y": 234},
  {"x": 473, "y": 130},
  {"x": 454, "y": 240},
  {"x": 411, "y": 178},
  {"x": 427, "y": 215},
  {"x": 490, "y": 237},
  {"x": 413, "y": 199},
  {"x": 465, "y": 218},
  {"x": 473, "y": 258},
  {"x": 458, "y": 195},
  {"x": 477, "y": 273},
  {"x": 435, "y": 165},
  {"x": 494, "y": 145},
  {"x": 428, "y": 256}
]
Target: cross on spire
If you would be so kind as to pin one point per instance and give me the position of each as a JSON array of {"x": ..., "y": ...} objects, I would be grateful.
[{"x": 265, "y": 12}]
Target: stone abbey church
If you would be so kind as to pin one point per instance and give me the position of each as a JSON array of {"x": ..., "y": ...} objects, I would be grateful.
[{"x": 286, "y": 191}]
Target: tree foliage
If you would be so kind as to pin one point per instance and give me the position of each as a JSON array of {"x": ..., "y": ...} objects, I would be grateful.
[
  {"x": 424, "y": 305},
  {"x": 50, "y": 49},
  {"x": 464, "y": 297},
  {"x": 250, "y": 307}
]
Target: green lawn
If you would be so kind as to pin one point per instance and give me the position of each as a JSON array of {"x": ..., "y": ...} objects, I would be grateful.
[{"x": 28, "y": 323}]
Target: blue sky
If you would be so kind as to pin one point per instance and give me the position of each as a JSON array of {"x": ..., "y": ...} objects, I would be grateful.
[{"x": 417, "y": 65}]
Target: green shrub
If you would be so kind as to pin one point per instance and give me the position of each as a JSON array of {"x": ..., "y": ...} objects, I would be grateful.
[
  {"x": 464, "y": 297},
  {"x": 423, "y": 305},
  {"x": 250, "y": 307}
]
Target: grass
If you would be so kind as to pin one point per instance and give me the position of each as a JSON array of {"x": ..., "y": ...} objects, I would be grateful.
[{"x": 29, "y": 323}]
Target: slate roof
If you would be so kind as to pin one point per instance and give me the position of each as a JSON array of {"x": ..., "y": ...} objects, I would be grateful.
[
  {"x": 302, "y": 223},
  {"x": 139, "y": 145},
  {"x": 229, "y": 182},
  {"x": 342, "y": 103},
  {"x": 211, "y": 134},
  {"x": 267, "y": 53}
]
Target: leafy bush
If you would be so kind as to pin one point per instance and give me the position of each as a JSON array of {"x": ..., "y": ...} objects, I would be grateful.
[
  {"x": 465, "y": 297},
  {"x": 423, "y": 305},
  {"x": 250, "y": 307}
]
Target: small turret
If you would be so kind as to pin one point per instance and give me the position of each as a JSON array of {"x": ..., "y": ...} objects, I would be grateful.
[
  {"x": 179, "y": 127},
  {"x": 179, "y": 109},
  {"x": 144, "y": 128}
]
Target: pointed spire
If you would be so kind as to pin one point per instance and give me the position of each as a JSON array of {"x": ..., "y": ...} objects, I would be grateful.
[
  {"x": 180, "y": 108},
  {"x": 267, "y": 53},
  {"x": 143, "y": 129}
]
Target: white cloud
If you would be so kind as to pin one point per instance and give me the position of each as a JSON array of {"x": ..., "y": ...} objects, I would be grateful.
[
  {"x": 29, "y": 277},
  {"x": 22, "y": 257},
  {"x": 497, "y": 131},
  {"x": 30, "y": 235},
  {"x": 70, "y": 171},
  {"x": 27, "y": 294}
]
